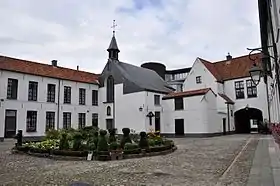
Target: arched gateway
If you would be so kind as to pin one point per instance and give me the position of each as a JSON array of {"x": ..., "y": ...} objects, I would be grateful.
[{"x": 247, "y": 120}]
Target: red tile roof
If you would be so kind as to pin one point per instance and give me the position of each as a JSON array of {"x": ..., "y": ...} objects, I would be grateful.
[
  {"x": 39, "y": 69},
  {"x": 226, "y": 98},
  {"x": 232, "y": 69},
  {"x": 187, "y": 93}
]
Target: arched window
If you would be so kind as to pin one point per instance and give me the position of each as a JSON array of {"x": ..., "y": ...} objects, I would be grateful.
[
  {"x": 108, "y": 111},
  {"x": 110, "y": 89}
]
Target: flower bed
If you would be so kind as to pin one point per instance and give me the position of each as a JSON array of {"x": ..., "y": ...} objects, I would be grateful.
[{"x": 78, "y": 144}]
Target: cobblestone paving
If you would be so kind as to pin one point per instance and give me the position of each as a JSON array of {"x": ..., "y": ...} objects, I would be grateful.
[{"x": 197, "y": 162}]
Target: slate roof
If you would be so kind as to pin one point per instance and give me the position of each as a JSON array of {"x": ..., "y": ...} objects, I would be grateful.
[
  {"x": 232, "y": 69},
  {"x": 226, "y": 98},
  {"x": 189, "y": 93},
  {"x": 113, "y": 44},
  {"x": 40, "y": 69},
  {"x": 144, "y": 78}
]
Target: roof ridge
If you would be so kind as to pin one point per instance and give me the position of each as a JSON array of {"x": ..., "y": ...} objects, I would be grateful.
[
  {"x": 44, "y": 64},
  {"x": 235, "y": 58}
]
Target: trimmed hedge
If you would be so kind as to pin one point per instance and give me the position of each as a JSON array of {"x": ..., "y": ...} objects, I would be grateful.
[{"x": 69, "y": 153}]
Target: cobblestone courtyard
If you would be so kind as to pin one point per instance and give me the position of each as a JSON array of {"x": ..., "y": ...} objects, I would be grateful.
[{"x": 197, "y": 162}]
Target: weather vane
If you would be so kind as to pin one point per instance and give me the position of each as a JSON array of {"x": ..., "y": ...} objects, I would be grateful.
[{"x": 114, "y": 27}]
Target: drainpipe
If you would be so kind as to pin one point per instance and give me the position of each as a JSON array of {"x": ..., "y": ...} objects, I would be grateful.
[
  {"x": 58, "y": 104},
  {"x": 228, "y": 114},
  {"x": 268, "y": 105}
]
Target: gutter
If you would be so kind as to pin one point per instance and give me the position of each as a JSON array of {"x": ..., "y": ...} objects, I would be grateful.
[{"x": 58, "y": 103}]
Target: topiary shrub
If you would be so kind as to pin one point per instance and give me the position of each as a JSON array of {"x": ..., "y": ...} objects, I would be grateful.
[
  {"x": 126, "y": 137},
  {"x": 102, "y": 144},
  {"x": 112, "y": 137},
  {"x": 63, "y": 142},
  {"x": 90, "y": 144},
  {"x": 143, "y": 143}
]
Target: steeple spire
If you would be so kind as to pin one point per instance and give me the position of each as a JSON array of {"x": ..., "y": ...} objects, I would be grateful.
[{"x": 113, "y": 47}]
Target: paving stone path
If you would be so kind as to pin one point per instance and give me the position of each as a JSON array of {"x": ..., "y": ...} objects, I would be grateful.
[{"x": 197, "y": 162}]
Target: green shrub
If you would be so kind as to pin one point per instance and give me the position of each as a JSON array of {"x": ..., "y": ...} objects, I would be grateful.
[
  {"x": 102, "y": 144},
  {"x": 168, "y": 143},
  {"x": 126, "y": 137},
  {"x": 114, "y": 145},
  {"x": 151, "y": 142},
  {"x": 143, "y": 143},
  {"x": 77, "y": 141},
  {"x": 63, "y": 142},
  {"x": 112, "y": 137},
  {"x": 91, "y": 145},
  {"x": 131, "y": 146},
  {"x": 52, "y": 134}
]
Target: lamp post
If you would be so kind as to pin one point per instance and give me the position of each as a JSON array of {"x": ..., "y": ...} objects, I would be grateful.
[{"x": 256, "y": 72}]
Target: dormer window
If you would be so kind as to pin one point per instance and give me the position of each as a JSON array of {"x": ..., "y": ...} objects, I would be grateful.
[{"x": 198, "y": 80}]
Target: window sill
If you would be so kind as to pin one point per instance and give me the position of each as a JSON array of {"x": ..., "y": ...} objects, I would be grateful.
[
  {"x": 11, "y": 98},
  {"x": 108, "y": 102},
  {"x": 31, "y": 130},
  {"x": 239, "y": 98},
  {"x": 33, "y": 100},
  {"x": 179, "y": 109},
  {"x": 252, "y": 97},
  {"x": 157, "y": 105},
  {"x": 94, "y": 104}
]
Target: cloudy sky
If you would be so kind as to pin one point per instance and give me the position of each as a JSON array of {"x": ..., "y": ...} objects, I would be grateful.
[{"x": 175, "y": 32}]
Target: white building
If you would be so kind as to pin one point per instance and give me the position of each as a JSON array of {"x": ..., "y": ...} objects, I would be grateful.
[
  {"x": 217, "y": 98},
  {"x": 270, "y": 32}
]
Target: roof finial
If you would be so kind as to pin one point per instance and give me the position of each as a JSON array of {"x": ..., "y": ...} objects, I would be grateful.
[{"x": 114, "y": 27}]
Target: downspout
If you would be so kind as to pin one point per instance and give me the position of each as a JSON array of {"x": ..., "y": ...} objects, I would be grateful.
[
  {"x": 58, "y": 104},
  {"x": 228, "y": 115},
  {"x": 268, "y": 105}
]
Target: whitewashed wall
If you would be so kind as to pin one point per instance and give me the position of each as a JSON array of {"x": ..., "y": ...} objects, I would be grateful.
[
  {"x": 22, "y": 105},
  {"x": 199, "y": 115},
  {"x": 208, "y": 80},
  {"x": 127, "y": 112},
  {"x": 260, "y": 102}
]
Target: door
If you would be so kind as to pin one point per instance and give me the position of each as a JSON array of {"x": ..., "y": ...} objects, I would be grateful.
[
  {"x": 10, "y": 123},
  {"x": 224, "y": 126},
  {"x": 179, "y": 127},
  {"x": 109, "y": 124},
  {"x": 157, "y": 121}
]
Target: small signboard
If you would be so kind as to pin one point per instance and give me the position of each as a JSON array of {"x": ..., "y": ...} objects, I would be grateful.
[{"x": 89, "y": 157}]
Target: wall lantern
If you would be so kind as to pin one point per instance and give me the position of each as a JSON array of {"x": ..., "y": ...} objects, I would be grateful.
[
  {"x": 140, "y": 109},
  {"x": 255, "y": 74}
]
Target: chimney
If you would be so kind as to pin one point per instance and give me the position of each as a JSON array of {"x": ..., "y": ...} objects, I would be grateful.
[
  {"x": 54, "y": 63},
  {"x": 77, "y": 67},
  {"x": 229, "y": 57}
]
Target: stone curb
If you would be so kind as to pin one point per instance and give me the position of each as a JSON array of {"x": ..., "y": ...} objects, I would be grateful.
[{"x": 73, "y": 158}]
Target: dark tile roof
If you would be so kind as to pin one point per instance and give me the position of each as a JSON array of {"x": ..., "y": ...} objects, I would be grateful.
[
  {"x": 187, "y": 93},
  {"x": 144, "y": 78},
  {"x": 40, "y": 69},
  {"x": 232, "y": 69},
  {"x": 226, "y": 98}
]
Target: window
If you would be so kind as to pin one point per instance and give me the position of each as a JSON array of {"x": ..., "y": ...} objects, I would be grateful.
[
  {"x": 31, "y": 121},
  {"x": 82, "y": 96},
  {"x": 251, "y": 89},
  {"x": 67, "y": 94},
  {"x": 157, "y": 99},
  {"x": 51, "y": 93},
  {"x": 95, "y": 120},
  {"x": 32, "y": 91},
  {"x": 12, "y": 88},
  {"x": 239, "y": 89},
  {"x": 50, "y": 120},
  {"x": 198, "y": 80},
  {"x": 110, "y": 89},
  {"x": 108, "y": 111},
  {"x": 82, "y": 120},
  {"x": 179, "y": 103},
  {"x": 94, "y": 97},
  {"x": 66, "y": 120}
]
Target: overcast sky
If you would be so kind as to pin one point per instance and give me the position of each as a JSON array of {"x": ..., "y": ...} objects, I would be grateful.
[{"x": 175, "y": 32}]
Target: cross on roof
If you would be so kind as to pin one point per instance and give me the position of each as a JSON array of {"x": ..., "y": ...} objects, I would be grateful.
[{"x": 114, "y": 26}]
